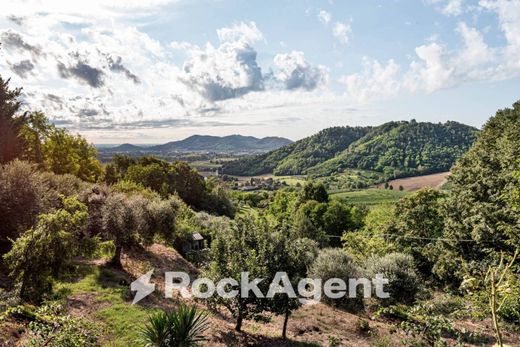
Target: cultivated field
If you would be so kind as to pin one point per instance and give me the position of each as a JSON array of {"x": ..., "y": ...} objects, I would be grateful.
[
  {"x": 411, "y": 184},
  {"x": 371, "y": 196}
]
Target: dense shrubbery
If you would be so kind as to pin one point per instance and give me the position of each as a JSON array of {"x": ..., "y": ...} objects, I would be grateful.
[
  {"x": 47, "y": 249},
  {"x": 171, "y": 178}
]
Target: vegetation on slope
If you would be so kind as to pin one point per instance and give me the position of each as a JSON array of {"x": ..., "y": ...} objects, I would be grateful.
[
  {"x": 395, "y": 149},
  {"x": 295, "y": 158}
]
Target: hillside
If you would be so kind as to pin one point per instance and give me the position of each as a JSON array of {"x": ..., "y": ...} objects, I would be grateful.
[
  {"x": 206, "y": 143},
  {"x": 295, "y": 158},
  {"x": 395, "y": 149}
]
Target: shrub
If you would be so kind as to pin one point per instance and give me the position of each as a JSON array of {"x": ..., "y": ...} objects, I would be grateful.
[
  {"x": 334, "y": 263},
  {"x": 45, "y": 251},
  {"x": 184, "y": 327},
  {"x": 399, "y": 269}
]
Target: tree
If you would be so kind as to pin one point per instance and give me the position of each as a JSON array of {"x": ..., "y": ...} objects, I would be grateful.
[
  {"x": 334, "y": 263},
  {"x": 418, "y": 221},
  {"x": 244, "y": 247},
  {"x": 294, "y": 257},
  {"x": 46, "y": 250},
  {"x": 399, "y": 269},
  {"x": 477, "y": 209},
  {"x": 11, "y": 146},
  {"x": 119, "y": 224},
  {"x": 64, "y": 153},
  {"x": 315, "y": 191}
]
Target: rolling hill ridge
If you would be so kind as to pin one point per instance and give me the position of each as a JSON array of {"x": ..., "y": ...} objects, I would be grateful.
[
  {"x": 207, "y": 143},
  {"x": 396, "y": 149}
]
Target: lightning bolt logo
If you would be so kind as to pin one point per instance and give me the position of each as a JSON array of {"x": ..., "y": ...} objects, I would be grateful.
[{"x": 142, "y": 287}]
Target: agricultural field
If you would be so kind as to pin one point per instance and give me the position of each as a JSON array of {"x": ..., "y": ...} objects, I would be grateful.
[
  {"x": 372, "y": 196},
  {"x": 410, "y": 184}
]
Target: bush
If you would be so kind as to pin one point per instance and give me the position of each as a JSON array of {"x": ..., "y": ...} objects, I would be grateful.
[
  {"x": 399, "y": 269},
  {"x": 46, "y": 250},
  {"x": 184, "y": 327},
  {"x": 334, "y": 263}
]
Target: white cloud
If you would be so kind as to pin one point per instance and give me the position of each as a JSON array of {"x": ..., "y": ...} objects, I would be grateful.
[
  {"x": 431, "y": 72},
  {"x": 448, "y": 7},
  {"x": 95, "y": 8},
  {"x": 324, "y": 17},
  {"x": 376, "y": 81},
  {"x": 341, "y": 31},
  {"x": 296, "y": 73},
  {"x": 229, "y": 70},
  {"x": 475, "y": 52},
  {"x": 509, "y": 19},
  {"x": 112, "y": 75},
  {"x": 453, "y": 8}
]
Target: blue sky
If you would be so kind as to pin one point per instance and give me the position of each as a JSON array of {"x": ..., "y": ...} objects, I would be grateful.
[{"x": 149, "y": 71}]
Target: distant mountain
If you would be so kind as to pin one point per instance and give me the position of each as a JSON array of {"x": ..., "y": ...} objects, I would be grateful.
[
  {"x": 206, "y": 143},
  {"x": 125, "y": 147},
  {"x": 395, "y": 149}
]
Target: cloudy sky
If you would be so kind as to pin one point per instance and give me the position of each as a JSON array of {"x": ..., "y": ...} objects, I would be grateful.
[{"x": 151, "y": 71}]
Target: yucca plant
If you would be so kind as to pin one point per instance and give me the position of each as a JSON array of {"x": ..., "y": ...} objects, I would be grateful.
[{"x": 183, "y": 327}]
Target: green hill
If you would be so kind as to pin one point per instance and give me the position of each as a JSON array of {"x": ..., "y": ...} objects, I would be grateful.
[{"x": 395, "y": 149}]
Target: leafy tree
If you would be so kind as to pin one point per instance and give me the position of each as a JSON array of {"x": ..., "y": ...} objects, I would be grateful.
[
  {"x": 315, "y": 191},
  {"x": 477, "y": 209},
  {"x": 283, "y": 205},
  {"x": 47, "y": 249},
  {"x": 11, "y": 145},
  {"x": 418, "y": 221},
  {"x": 244, "y": 247},
  {"x": 293, "y": 257},
  {"x": 119, "y": 224},
  {"x": 305, "y": 227},
  {"x": 176, "y": 178},
  {"x": 399, "y": 269},
  {"x": 25, "y": 192},
  {"x": 65, "y": 153},
  {"x": 334, "y": 263}
]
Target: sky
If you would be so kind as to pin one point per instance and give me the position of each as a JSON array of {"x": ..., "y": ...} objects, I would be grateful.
[{"x": 152, "y": 71}]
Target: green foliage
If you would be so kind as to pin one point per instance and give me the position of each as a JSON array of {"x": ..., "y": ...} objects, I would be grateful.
[
  {"x": 418, "y": 221},
  {"x": 400, "y": 271},
  {"x": 361, "y": 245},
  {"x": 49, "y": 325},
  {"x": 57, "y": 150},
  {"x": 316, "y": 192},
  {"x": 395, "y": 149},
  {"x": 423, "y": 326},
  {"x": 479, "y": 207},
  {"x": 183, "y": 327},
  {"x": 298, "y": 156},
  {"x": 334, "y": 263},
  {"x": 11, "y": 145},
  {"x": 244, "y": 247},
  {"x": 25, "y": 193},
  {"x": 46, "y": 251},
  {"x": 370, "y": 197},
  {"x": 176, "y": 178},
  {"x": 326, "y": 222}
]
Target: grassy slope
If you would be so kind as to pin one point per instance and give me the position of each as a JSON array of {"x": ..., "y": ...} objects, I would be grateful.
[{"x": 102, "y": 295}]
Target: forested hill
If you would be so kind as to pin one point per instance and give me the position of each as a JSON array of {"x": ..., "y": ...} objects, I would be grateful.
[
  {"x": 395, "y": 148},
  {"x": 206, "y": 143}
]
